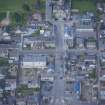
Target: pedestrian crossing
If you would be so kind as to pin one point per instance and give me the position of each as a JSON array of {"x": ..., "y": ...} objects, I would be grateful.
[{"x": 57, "y": 101}]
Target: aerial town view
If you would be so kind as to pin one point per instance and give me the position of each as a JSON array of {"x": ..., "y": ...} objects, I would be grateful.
[{"x": 52, "y": 52}]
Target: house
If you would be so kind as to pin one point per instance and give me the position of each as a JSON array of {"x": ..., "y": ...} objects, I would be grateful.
[
  {"x": 21, "y": 101},
  {"x": 38, "y": 25},
  {"x": 102, "y": 60},
  {"x": 10, "y": 84},
  {"x": 49, "y": 44},
  {"x": 69, "y": 33},
  {"x": 95, "y": 92},
  {"x": 33, "y": 100},
  {"x": 79, "y": 42},
  {"x": 3, "y": 52},
  {"x": 13, "y": 55},
  {"x": 58, "y": 12},
  {"x": 45, "y": 76},
  {"x": 61, "y": 9},
  {"x": 39, "y": 42},
  {"x": 37, "y": 17},
  {"x": 102, "y": 87},
  {"x": 89, "y": 37},
  {"x": 70, "y": 43},
  {"x": 102, "y": 77},
  {"x": 86, "y": 19},
  {"x": 86, "y": 91},
  {"x": 102, "y": 34},
  {"x": 99, "y": 7},
  {"x": 84, "y": 23},
  {"x": 91, "y": 44},
  {"x": 90, "y": 58}
]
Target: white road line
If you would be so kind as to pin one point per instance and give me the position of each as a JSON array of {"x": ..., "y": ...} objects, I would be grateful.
[{"x": 52, "y": 100}]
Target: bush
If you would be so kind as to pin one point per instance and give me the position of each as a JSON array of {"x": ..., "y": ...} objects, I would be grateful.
[
  {"x": 26, "y": 7},
  {"x": 93, "y": 74},
  {"x": 2, "y": 15},
  {"x": 3, "y": 61}
]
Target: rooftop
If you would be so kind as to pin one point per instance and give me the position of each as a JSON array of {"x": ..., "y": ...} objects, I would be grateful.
[{"x": 29, "y": 57}]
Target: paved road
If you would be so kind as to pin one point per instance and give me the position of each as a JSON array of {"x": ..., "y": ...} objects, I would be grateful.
[
  {"x": 58, "y": 88},
  {"x": 48, "y": 10}
]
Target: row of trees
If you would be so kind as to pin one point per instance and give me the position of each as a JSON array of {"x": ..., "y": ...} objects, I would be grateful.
[{"x": 38, "y": 5}]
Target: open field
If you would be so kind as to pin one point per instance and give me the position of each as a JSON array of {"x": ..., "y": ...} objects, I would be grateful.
[
  {"x": 84, "y": 5},
  {"x": 14, "y": 5}
]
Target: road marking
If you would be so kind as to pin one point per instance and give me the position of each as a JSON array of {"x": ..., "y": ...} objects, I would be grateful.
[
  {"x": 63, "y": 101},
  {"x": 51, "y": 100}
]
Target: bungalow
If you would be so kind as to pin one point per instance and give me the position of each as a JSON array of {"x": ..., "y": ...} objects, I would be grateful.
[
  {"x": 10, "y": 84},
  {"x": 37, "y": 17},
  {"x": 91, "y": 44},
  {"x": 80, "y": 42},
  {"x": 13, "y": 55}
]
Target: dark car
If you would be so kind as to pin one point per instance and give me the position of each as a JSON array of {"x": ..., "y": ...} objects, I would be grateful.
[{"x": 61, "y": 77}]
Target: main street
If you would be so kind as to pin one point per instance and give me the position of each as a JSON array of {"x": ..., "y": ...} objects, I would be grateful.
[{"x": 58, "y": 89}]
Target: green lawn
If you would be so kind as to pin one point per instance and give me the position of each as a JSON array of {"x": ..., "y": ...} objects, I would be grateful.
[
  {"x": 3, "y": 61},
  {"x": 84, "y": 5},
  {"x": 18, "y": 12},
  {"x": 2, "y": 15},
  {"x": 24, "y": 90},
  {"x": 14, "y": 5}
]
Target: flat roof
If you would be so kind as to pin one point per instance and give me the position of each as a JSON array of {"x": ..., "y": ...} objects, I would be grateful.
[{"x": 29, "y": 57}]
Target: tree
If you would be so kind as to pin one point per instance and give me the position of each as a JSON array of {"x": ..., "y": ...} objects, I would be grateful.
[
  {"x": 38, "y": 4},
  {"x": 26, "y": 7},
  {"x": 3, "y": 61},
  {"x": 93, "y": 74},
  {"x": 17, "y": 17}
]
